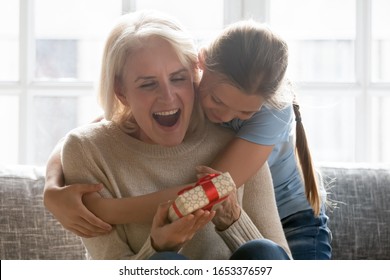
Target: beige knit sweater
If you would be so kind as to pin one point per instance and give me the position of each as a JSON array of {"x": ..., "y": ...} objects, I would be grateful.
[{"x": 128, "y": 167}]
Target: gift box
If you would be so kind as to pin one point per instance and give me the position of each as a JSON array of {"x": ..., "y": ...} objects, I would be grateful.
[{"x": 205, "y": 194}]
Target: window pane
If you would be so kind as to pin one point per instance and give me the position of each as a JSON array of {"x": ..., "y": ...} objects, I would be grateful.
[
  {"x": 9, "y": 123},
  {"x": 380, "y": 41},
  {"x": 9, "y": 40},
  {"x": 321, "y": 37},
  {"x": 330, "y": 126},
  {"x": 56, "y": 116},
  {"x": 203, "y": 23},
  {"x": 69, "y": 43},
  {"x": 381, "y": 124}
]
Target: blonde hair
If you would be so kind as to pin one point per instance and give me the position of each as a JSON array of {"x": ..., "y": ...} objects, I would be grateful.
[
  {"x": 125, "y": 39},
  {"x": 251, "y": 57}
]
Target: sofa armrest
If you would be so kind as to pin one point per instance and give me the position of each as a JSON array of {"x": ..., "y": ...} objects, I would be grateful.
[{"x": 27, "y": 229}]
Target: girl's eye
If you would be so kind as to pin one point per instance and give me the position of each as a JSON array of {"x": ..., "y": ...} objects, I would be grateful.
[
  {"x": 248, "y": 115},
  {"x": 216, "y": 100}
]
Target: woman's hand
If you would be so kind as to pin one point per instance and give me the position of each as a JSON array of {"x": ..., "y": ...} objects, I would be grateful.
[
  {"x": 65, "y": 203},
  {"x": 203, "y": 171},
  {"x": 168, "y": 236},
  {"x": 227, "y": 212}
]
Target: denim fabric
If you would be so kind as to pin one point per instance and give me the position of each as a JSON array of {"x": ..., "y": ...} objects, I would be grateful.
[
  {"x": 308, "y": 236},
  {"x": 253, "y": 250},
  {"x": 262, "y": 249}
]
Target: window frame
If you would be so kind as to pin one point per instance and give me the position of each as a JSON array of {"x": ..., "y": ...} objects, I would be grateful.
[{"x": 364, "y": 89}]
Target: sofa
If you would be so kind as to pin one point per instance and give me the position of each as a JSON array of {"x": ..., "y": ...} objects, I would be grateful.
[{"x": 359, "y": 212}]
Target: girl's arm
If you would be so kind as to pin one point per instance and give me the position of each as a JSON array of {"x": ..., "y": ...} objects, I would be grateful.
[
  {"x": 242, "y": 159},
  {"x": 65, "y": 202},
  {"x": 136, "y": 209}
]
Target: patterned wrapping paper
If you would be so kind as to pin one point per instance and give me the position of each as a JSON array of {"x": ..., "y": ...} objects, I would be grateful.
[{"x": 207, "y": 192}]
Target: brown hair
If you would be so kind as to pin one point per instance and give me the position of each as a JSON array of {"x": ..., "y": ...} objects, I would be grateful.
[
  {"x": 250, "y": 57},
  {"x": 254, "y": 59},
  {"x": 306, "y": 163}
]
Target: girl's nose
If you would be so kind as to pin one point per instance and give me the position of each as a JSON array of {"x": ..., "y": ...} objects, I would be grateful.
[{"x": 226, "y": 115}]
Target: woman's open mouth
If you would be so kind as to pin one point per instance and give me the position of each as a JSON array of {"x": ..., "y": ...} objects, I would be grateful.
[{"x": 167, "y": 118}]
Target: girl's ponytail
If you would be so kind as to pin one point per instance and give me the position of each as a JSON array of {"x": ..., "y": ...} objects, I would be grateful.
[{"x": 306, "y": 163}]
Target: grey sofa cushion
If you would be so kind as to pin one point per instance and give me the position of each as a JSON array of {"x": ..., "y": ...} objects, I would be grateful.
[
  {"x": 27, "y": 229},
  {"x": 360, "y": 222}
]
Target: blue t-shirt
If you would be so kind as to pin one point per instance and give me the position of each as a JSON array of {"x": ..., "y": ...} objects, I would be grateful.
[{"x": 275, "y": 127}]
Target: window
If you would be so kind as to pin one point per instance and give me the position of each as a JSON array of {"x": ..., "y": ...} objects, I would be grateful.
[
  {"x": 9, "y": 40},
  {"x": 53, "y": 91},
  {"x": 9, "y": 68},
  {"x": 339, "y": 62},
  {"x": 203, "y": 18},
  {"x": 340, "y": 87},
  {"x": 380, "y": 83},
  {"x": 380, "y": 41},
  {"x": 60, "y": 54},
  {"x": 321, "y": 38}
]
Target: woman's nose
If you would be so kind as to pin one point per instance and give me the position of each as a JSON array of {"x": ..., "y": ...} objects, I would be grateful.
[{"x": 167, "y": 93}]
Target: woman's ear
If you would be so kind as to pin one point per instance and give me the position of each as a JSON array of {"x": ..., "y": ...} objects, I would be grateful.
[{"x": 118, "y": 88}]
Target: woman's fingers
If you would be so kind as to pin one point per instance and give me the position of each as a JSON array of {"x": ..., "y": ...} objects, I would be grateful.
[
  {"x": 201, "y": 218},
  {"x": 206, "y": 170},
  {"x": 172, "y": 236},
  {"x": 203, "y": 171}
]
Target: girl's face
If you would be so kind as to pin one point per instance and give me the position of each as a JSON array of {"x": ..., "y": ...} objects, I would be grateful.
[
  {"x": 223, "y": 102},
  {"x": 159, "y": 89}
]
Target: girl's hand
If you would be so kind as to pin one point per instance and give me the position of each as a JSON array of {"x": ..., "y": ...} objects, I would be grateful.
[
  {"x": 203, "y": 170},
  {"x": 168, "y": 236},
  {"x": 65, "y": 203}
]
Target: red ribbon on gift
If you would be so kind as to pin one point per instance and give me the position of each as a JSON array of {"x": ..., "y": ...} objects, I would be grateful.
[{"x": 209, "y": 189}]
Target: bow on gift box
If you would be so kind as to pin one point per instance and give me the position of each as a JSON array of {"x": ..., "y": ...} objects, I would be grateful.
[{"x": 210, "y": 190}]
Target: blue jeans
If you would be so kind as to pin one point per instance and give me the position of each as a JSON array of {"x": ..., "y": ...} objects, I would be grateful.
[
  {"x": 308, "y": 236},
  {"x": 260, "y": 249},
  {"x": 263, "y": 249}
]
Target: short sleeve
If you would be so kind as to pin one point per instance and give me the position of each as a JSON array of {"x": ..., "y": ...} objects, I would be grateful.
[{"x": 269, "y": 126}]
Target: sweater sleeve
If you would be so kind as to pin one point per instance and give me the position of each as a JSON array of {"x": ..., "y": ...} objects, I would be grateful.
[
  {"x": 242, "y": 231},
  {"x": 80, "y": 165},
  {"x": 112, "y": 246}
]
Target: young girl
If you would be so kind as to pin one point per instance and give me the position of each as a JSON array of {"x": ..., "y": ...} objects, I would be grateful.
[{"x": 243, "y": 87}]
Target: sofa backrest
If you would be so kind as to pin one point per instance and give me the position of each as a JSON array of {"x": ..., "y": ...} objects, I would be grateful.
[
  {"x": 27, "y": 229},
  {"x": 360, "y": 219}
]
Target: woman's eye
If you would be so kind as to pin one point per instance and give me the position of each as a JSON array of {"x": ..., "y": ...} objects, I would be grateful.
[
  {"x": 147, "y": 85},
  {"x": 178, "y": 79},
  {"x": 248, "y": 114}
]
